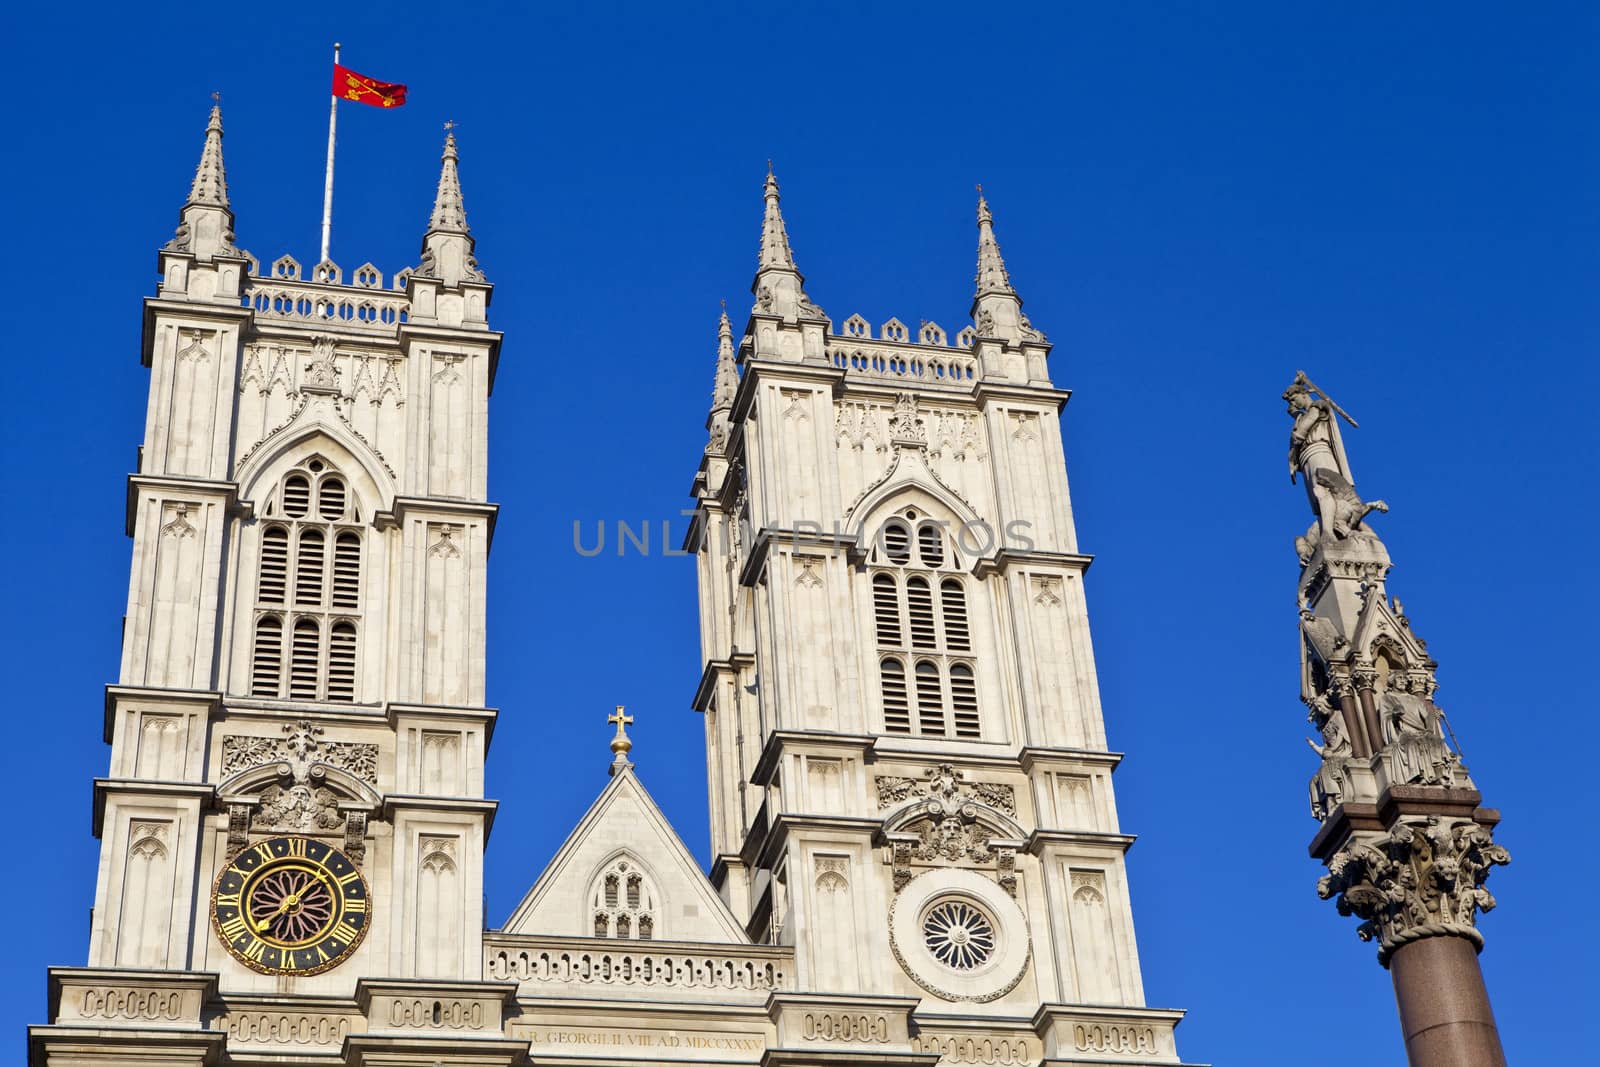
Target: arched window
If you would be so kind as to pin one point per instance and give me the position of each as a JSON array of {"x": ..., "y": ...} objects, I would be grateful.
[
  {"x": 927, "y": 679},
  {"x": 624, "y": 901},
  {"x": 308, "y": 588}
]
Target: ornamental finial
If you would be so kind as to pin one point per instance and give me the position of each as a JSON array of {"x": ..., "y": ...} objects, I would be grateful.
[{"x": 621, "y": 744}]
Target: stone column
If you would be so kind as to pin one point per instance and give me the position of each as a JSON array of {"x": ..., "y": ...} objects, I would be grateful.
[
  {"x": 1418, "y": 887},
  {"x": 1444, "y": 1006}
]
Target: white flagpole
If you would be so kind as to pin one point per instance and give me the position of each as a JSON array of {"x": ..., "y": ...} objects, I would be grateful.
[{"x": 327, "y": 185}]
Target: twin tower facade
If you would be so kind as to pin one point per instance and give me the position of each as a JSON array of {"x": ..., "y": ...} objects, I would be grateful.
[{"x": 917, "y": 857}]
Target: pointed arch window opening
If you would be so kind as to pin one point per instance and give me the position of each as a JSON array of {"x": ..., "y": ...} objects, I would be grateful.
[
  {"x": 624, "y": 901},
  {"x": 927, "y": 678},
  {"x": 307, "y": 619}
]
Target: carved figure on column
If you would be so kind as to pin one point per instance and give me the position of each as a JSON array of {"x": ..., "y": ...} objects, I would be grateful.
[
  {"x": 1316, "y": 451},
  {"x": 1327, "y": 785},
  {"x": 1413, "y": 734}
]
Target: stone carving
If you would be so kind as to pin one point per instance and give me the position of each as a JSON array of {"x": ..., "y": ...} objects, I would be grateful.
[
  {"x": 1419, "y": 880},
  {"x": 1031, "y": 332},
  {"x": 302, "y": 748},
  {"x": 180, "y": 526},
  {"x": 321, "y": 374},
  {"x": 946, "y": 783},
  {"x": 956, "y": 434},
  {"x": 985, "y": 1050},
  {"x": 808, "y": 578},
  {"x": 445, "y": 547},
  {"x": 195, "y": 350},
  {"x": 112, "y": 1002},
  {"x": 857, "y": 1028},
  {"x": 1413, "y": 738},
  {"x": 436, "y": 1014},
  {"x": 1328, "y": 784},
  {"x": 764, "y": 298},
  {"x": 904, "y": 425},
  {"x": 278, "y": 1028},
  {"x": 1027, "y": 426},
  {"x": 856, "y": 421},
  {"x": 1115, "y": 1039},
  {"x": 795, "y": 400},
  {"x": 1047, "y": 590},
  {"x": 238, "y": 828},
  {"x": 1316, "y": 451},
  {"x": 299, "y": 807}
]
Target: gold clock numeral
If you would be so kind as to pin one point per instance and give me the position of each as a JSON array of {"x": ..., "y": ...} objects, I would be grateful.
[
  {"x": 297, "y": 847},
  {"x": 356, "y": 905},
  {"x": 264, "y": 850},
  {"x": 254, "y": 951},
  {"x": 288, "y": 959},
  {"x": 343, "y": 931},
  {"x": 350, "y": 879},
  {"x": 227, "y": 900},
  {"x": 235, "y": 928}
]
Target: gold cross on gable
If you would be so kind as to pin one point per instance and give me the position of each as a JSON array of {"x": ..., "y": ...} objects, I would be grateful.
[
  {"x": 449, "y": 124},
  {"x": 620, "y": 718}
]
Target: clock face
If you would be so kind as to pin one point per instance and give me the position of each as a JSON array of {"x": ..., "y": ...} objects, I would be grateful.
[{"x": 291, "y": 905}]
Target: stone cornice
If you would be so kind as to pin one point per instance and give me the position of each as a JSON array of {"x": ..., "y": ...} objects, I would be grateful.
[
  {"x": 1006, "y": 558},
  {"x": 1032, "y": 757},
  {"x": 223, "y": 312},
  {"x": 443, "y": 506},
  {"x": 767, "y": 536},
  {"x": 228, "y": 491},
  {"x": 986, "y": 390},
  {"x": 395, "y": 712},
  {"x": 772, "y": 751},
  {"x": 116, "y": 694},
  {"x": 1039, "y": 840},
  {"x": 396, "y": 803},
  {"x": 200, "y": 795},
  {"x": 410, "y": 332},
  {"x": 714, "y": 669},
  {"x": 784, "y": 823}
]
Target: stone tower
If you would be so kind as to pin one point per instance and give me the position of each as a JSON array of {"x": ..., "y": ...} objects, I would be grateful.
[
  {"x": 909, "y": 778},
  {"x": 294, "y": 810},
  {"x": 1406, "y": 841}
]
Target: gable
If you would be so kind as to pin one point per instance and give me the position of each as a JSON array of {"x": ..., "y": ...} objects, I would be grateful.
[{"x": 625, "y": 826}]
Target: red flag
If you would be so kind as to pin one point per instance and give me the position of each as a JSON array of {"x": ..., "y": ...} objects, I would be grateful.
[{"x": 348, "y": 85}]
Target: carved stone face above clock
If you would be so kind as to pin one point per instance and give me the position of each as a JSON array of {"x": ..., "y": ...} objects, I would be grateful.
[{"x": 291, "y": 905}]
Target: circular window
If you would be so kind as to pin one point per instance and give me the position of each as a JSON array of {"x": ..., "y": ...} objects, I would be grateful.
[{"x": 959, "y": 935}]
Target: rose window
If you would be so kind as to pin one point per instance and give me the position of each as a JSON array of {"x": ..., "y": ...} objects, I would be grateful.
[{"x": 959, "y": 935}]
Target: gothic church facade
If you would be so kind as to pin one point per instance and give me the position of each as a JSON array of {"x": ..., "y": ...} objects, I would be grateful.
[{"x": 917, "y": 858}]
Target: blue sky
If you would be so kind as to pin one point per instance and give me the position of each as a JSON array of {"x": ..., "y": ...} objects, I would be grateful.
[{"x": 1194, "y": 199}]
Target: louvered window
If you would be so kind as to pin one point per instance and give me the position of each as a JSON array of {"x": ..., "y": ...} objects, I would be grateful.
[
  {"x": 274, "y": 565},
  {"x": 303, "y": 657},
  {"x": 927, "y": 681},
  {"x": 266, "y": 664},
  {"x": 964, "y": 701},
  {"x": 886, "y": 609},
  {"x": 310, "y": 562},
  {"x": 347, "y": 570},
  {"x": 957, "y": 635},
  {"x": 930, "y": 699},
  {"x": 896, "y": 709}
]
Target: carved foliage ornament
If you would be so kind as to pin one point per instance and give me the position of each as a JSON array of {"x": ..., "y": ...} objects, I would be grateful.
[
  {"x": 1419, "y": 880},
  {"x": 302, "y": 745}
]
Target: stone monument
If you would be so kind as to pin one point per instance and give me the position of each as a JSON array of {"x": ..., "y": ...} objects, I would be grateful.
[{"x": 1406, "y": 841}]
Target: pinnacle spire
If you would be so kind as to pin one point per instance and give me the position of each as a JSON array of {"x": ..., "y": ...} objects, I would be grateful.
[
  {"x": 210, "y": 187},
  {"x": 996, "y": 307},
  {"x": 992, "y": 276},
  {"x": 205, "y": 224},
  {"x": 727, "y": 384},
  {"x": 775, "y": 250},
  {"x": 448, "y": 245},
  {"x": 449, "y": 212}
]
